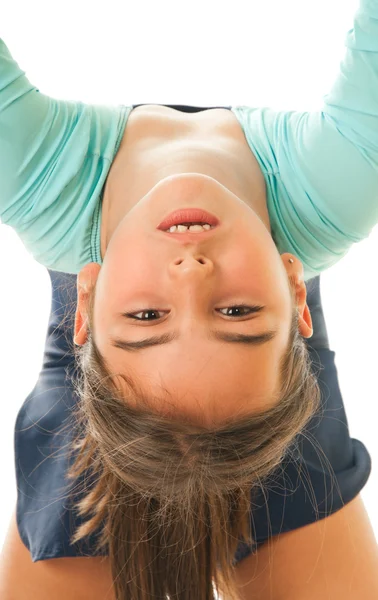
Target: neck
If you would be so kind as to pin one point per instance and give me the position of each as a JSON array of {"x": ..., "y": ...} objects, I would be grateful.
[{"x": 125, "y": 187}]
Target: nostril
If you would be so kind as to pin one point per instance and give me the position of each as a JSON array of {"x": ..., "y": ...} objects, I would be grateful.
[{"x": 180, "y": 260}]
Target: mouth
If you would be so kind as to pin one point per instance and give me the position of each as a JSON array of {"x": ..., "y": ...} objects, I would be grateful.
[
  {"x": 191, "y": 236},
  {"x": 188, "y": 215}
]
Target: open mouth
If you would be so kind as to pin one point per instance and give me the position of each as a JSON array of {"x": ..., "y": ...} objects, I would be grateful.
[
  {"x": 190, "y": 236},
  {"x": 197, "y": 218},
  {"x": 192, "y": 227}
]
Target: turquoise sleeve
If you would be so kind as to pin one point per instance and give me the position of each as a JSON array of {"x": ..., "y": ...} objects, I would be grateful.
[
  {"x": 54, "y": 159},
  {"x": 321, "y": 168}
]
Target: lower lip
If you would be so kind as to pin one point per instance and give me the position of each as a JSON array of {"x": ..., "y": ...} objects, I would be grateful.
[{"x": 188, "y": 215}]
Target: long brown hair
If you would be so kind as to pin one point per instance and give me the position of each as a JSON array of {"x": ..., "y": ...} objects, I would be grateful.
[{"x": 172, "y": 499}]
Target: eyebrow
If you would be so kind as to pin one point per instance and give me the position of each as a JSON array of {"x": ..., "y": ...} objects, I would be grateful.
[{"x": 166, "y": 338}]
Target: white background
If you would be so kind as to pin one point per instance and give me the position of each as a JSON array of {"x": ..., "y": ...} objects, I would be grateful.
[{"x": 267, "y": 53}]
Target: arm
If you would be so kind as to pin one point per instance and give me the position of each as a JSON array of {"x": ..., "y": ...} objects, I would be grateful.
[
  {"x": 321, "y": 168},
  {"x": 335, "y": 558},
  {"x": 54, "y": 159}
]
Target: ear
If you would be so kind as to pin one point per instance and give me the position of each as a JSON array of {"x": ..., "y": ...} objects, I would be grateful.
[
  {"x": 86, "y": 280},
  {"x": 296, "y": 271},
  {"x": 305, "y": 320}
]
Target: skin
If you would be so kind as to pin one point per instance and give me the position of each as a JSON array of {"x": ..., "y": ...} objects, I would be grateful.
[{"x": 186, "y": 283}]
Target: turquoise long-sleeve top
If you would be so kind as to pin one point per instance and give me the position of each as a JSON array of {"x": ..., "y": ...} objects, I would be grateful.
[{"x": 320, "y": 167}]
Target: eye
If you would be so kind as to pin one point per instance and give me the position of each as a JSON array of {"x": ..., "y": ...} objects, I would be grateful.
[
  {"x": 248, "y": 308},
  {"x": 153, "y": 310},
  {"x": 146, "y": 310}
]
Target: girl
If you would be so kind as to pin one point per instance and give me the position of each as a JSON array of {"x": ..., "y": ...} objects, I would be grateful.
[{"x": 175, "y": 445}]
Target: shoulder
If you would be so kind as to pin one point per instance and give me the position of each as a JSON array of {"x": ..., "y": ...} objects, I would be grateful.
[
  {"x": 334, "y": 558},
  {"x": 59, "y": 578}
]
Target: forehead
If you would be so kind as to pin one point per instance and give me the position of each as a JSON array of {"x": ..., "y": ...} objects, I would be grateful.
[{"x": 199, "y": 381}]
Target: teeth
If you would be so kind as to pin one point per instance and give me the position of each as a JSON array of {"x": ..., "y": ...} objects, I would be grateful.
[{"x": 182, "y": 228}]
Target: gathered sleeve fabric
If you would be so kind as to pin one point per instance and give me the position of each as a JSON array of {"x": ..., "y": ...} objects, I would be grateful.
[
  {"x": 321, "y": 167},
  {"x": 54, "y": 159}
]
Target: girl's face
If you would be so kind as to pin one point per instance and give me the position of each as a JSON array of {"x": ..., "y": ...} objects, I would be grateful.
[{"x": 189, "y": 286}]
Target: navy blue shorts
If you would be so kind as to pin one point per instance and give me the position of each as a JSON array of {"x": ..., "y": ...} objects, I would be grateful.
[{"x": 310, "y": 486}]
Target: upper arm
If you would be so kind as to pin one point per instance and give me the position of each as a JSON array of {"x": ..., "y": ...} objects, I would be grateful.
[
  {"x": 321, "y": 167},
  {"x": 55, "y": 156},
  {"x": 43, "y": 142},
  {"x": 32, "y": 133},
  {"x": 335, "y": 150},
  {"x": 335, "y": 558}
]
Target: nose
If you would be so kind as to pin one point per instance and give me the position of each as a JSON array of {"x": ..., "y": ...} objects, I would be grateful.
[
  {"x": 191, "y": 283},
  {"x": 197, "y": 266}
]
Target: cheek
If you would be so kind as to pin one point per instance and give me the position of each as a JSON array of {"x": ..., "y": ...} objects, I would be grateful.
[{"x": 128, "y": 267}]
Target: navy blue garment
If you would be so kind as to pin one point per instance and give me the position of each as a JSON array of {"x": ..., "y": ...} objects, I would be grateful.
[
  {"x": 308, "y": 486},
  {"x": 183, "y": 107}
]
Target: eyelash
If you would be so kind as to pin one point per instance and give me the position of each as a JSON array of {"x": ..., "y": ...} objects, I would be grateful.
[{"x": 131, "y": 315}]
